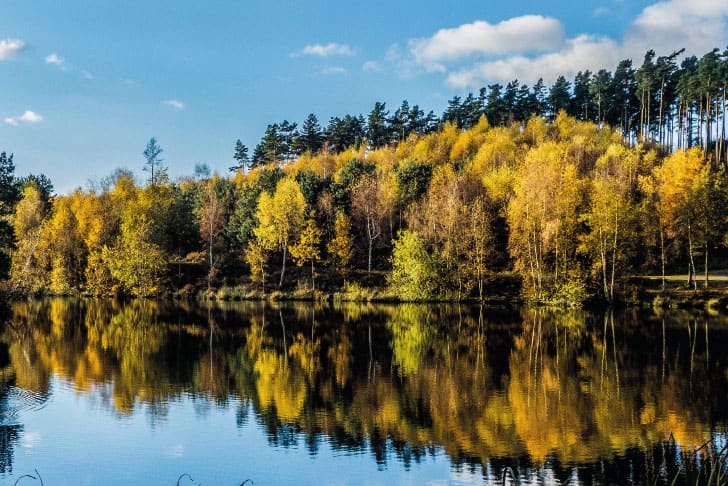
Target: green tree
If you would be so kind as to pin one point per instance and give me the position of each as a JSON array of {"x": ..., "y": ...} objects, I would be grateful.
[
  {"x": 241, "y": 157},
  {"x": 378, "y": 126},
  {"x": 414, "y": 274},
  {"x": 311, "y": 138},
  {"x": 153, "y": 164},
  {"x": 9, "y": 196},
  {"x": 560, "y": 97}
]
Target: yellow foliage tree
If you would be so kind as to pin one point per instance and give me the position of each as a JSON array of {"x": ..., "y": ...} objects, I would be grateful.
[
  {"x": 28, "y": 264},
  {"x": 307, "y": 247},
  {"x": 341, "y": 245},
  {"x": 280, "y": 218},
  {"x": 691, "y": 200}
]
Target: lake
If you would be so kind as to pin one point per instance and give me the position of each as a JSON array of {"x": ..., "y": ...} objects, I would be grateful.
[{"x": 145, "y": 392}]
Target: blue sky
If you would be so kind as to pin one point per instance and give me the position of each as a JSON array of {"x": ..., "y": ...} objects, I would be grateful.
[{"x": 84, "y": 84}]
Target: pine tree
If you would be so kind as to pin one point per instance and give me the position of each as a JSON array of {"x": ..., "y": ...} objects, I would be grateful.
[
  {"x": 378, "y": 126},
  {"x": 9, "y": 195},
  {"x": 241, "y": 157},
  {"x": 311, "y": 138},
  {"x": 153, "y": 165}
]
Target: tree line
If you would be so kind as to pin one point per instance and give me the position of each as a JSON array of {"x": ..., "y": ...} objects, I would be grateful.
[
  {"x": 571, "y": 204},
  {"x": 568, "y": 205},
  {"x": 676, "y": 104}
]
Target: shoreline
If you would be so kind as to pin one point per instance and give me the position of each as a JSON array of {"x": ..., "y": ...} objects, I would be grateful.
[{"x": 636, "y": 292}]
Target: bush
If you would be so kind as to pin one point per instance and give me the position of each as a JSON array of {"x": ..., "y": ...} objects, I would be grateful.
[{"x": 414, "y": 273}]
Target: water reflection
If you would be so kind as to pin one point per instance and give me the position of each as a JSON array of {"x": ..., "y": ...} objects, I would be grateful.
[{"x": 531, "y": 394}]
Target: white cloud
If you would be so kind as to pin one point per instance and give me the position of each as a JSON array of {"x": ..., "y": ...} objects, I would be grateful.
[
  {"x": 27, "y": 117},
  {"x": 515, "y": 35},
  {"x": 176, "y": 104},
  {"x": 580, "y": 53},
  {"x": 55, "y": 60},
  {"x": 31, "y": 117},
  {"x": 325, "y": 50},
  {"x": 371, "y": 67},
  {"x": 696, "y": 25},
  {"x": 504, "y": 52},
  {"x": 9, "y": 48},
  {"x": 334, "y": 70}
]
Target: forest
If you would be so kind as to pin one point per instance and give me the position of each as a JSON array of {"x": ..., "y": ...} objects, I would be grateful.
[{"x": 570, "y": 189}]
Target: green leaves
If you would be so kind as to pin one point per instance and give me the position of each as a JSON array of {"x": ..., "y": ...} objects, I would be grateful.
[{"x": 414, "y": 273}]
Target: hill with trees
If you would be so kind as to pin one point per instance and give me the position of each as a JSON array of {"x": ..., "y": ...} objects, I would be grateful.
[{"x": 570, "y": 188}]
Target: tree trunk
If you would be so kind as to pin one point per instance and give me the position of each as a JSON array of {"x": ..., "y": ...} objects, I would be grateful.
[
  {"x": 209, "y": 272},
  {"x": 369, "y": 257},
  {"x": 706, "y": 265},
  {"x": 313, "y": 284},
  {"x": 614, "y": 257},
  {"x": 603, "y": 258},
  {"x": 283, "y": 269},
  {"x": 662, "y": 254},
  {"x": 691, "y": 264},
  {"x": 659, "y": 121}
]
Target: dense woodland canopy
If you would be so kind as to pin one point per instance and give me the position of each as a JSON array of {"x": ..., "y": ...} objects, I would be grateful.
[{"x": 572, "y": 187}]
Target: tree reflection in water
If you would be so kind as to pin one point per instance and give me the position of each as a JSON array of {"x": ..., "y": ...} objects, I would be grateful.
[{"x": 533, "y": 394}]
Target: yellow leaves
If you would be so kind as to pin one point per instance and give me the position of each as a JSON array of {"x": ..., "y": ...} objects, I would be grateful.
[
  {"x": 341, "y": 247},
  {"x": 280, "y": 216},
  {"x": 678, "y": 176},
  {"x": 307, "y": 247},
  {"x": 543, "y": 214},
  {"x": 136, "y": 263},
  {"x": 28, "y": 261},
  {"x": 498, "y": 148},
  {"x": 255, "y": 256},
  {"x": 468, "y": 142},
  {"x": 28, "y": 212},
  {"x": 435, "y": 148}
]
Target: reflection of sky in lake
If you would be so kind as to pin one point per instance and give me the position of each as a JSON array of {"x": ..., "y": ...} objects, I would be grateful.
[{"x": 72, "y": 441}]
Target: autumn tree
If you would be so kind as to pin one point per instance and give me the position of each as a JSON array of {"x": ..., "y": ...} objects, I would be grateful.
[
  {"x": 341, "y": 246},
  {"x": 256, "y": 256},
  {"x": 366, "y": 207},
  {"x": 612, "y": 212},
  {"x": 307, "y": 248},
  {"x": 136, "y": 261},
  {"x": 543, "y": 219},
  {"x": 212, "y": 217},
  {"x": 691, "y": 198},
  {"x": 280, "y": 218},
  {"x": 29, "y": 266},
  {"x": 64, "y": 244}
]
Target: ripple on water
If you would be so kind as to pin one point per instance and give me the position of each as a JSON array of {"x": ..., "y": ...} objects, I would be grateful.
[{"x": 18, "y": 401}]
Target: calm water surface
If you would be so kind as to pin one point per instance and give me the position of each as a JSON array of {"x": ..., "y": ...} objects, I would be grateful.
[{"x": 97, "y": 392}]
